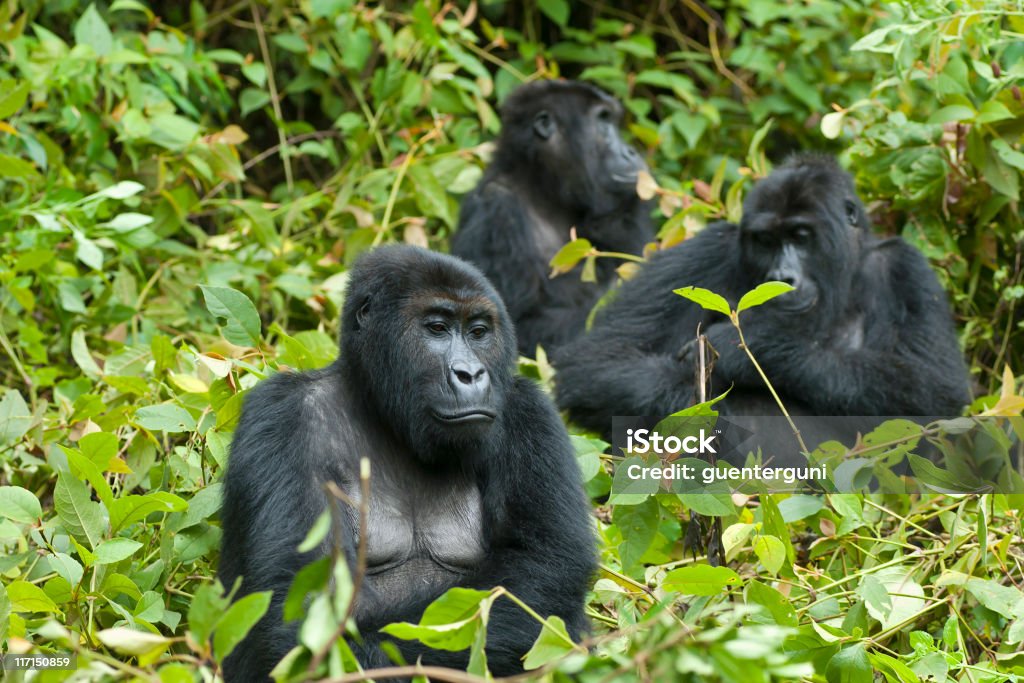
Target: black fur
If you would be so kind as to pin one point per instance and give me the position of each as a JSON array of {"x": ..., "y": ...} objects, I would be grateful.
[
  {"x": 560, "y": 163},
  {"x": 868, "y": 331},
  {"x": 528, "y": 530}
]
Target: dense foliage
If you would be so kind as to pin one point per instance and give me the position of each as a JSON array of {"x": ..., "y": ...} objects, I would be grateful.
[{"x": 182, "y": 186}]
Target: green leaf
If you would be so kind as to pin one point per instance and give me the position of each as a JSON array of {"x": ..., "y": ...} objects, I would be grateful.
[
  {"x": 570, "y": 255},
  {"x": 954, "y": 112},
  {"x": 700, "y": 579},
  {"x": 80, "y": 352},
  {"x": 552, "y": 643},
  {"x": 128, "y": 641},
  {"x": 238, "y": 621},
  {"x": 778, "y": 605},
  {"x": 131, "y": 509},
  {"x": 764, "y": 292},
  {"x": 235, "y": 313},
  {"x": 115, "y": 550},
  {"x": 15, "y": 417},
  {"x": 12, "y": 96},
  {"x": 80, "y": 516},
  {"x": 206, "y": 609},
  {"x": 555, "y": 10},
  {"x": 91, "y": 30},
  {"x": 13, "y": 167},
  {"x": 832, "y": 124},
  {"x": 771, "y": 551},
  {"x": 705, "y": 298},
  {"x": 850, "y": 665},
  {"x": 167, "y": 417},
  {"x": 1005, "y": 600},
  {"x": 318, "y": 532},
  {"x": 448, "y": 623},
  {"x": 19, "y": 505},
  {"x": 121, "y": 190},
  {"x": 28, "y": 597}
]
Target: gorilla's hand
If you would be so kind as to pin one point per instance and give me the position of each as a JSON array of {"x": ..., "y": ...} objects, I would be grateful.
[{"x": 717, "y": 338}]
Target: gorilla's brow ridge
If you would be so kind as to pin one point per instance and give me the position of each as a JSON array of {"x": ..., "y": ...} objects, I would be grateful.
[{"x": 453, "y": 303}]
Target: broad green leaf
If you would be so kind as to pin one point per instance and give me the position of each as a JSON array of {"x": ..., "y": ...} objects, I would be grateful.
[
  {"x": 552, "y": 643},
  {"x": 15, "y": 417},
  {"x": 19, "y": 504},
  {"x": 705, "y": 298},
  {"x": 1006, "y": 600},
  {"x": 771, "y": 551},
  {"x": 449, "y": 623},
  {"x": 700, "y": 579},
  {"x": 318, "y": 532},
  {"x": 28, "y": 597},
  {"x": 80, "y": 516},
  {"x": 235, "y": 313},
  {"x": 12, "y": 96},
  {"x": 115, "y": 550},
  {"x": 131, "y": 509},
  {"x": 850, "y": 665},
  {"x": 638, "y": 526},
  {"x": 91, "y": 30},
  {"x": 569, "y": 256},
  {"x": 778, "y": 605},
  {"x": 205, "y": 610},
  {"x": 555, "y": 10},
  {"x": 762, "y": 293},
  {"x": 67, "y": 567},
  {"x": 238, "y": 621},
  {"x": 166, "y": 418},
  {"x": 128, "y": 641},
  {"x": 954, "y": 112}
]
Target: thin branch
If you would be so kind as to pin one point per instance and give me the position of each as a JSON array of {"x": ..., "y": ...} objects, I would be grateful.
[{"x": 274, "y": 98}]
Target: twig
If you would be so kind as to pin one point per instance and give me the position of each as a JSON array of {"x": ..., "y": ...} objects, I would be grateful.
[{"x": 274, "y": 99}]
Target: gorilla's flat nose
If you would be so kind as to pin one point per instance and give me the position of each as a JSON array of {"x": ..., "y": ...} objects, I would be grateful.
[
  {"x": 790, "y": 277},
  {"x": 467, "y": 373}
]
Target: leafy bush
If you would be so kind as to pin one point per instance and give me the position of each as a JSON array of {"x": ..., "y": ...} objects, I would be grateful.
[{"x": 182, "y": 187}]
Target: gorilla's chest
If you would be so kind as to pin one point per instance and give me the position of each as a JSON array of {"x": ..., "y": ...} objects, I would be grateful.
[{"x": 423, "y": 524}]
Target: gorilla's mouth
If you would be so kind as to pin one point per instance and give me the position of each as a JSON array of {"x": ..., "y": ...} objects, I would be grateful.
[
  {"x": 467, "y": 417},
  {"x": 625, "y": 179}
]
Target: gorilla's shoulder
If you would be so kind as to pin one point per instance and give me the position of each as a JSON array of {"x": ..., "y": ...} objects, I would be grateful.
[
  {"x": 694, "y": 255},
  {"x": 529, "y": 409},
  {"x": 281, "y": 397}
]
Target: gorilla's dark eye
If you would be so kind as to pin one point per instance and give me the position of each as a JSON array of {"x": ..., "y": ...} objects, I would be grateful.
[
  {"x": 361, "y": 314},
  {"x": 478, "y": 332},
  {"x": 543, "y": 125},
  {"x": 437, "y": 327},
  {"x": 851, "y": 212},
  {"x": 801, "y": 235},
  {"x": 604, "y": 114}
]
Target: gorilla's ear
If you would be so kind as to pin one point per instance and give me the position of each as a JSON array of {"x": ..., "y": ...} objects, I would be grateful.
[
  {"x": 361, "y": 314},
  {"x": 543, "y": 125},
  {"x": 852, "y": 214}
]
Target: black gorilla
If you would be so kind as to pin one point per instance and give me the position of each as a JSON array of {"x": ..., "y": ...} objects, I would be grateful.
[
  {"x": 867, "y": 331},
  {"x": 473, "y": 479},
  {"x": 560, "y": 163}
]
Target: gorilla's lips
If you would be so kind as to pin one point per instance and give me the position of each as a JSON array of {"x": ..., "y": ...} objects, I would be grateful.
[{"x": 467, "y": 417}]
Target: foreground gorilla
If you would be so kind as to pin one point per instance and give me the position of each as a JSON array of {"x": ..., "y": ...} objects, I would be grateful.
[
  {"x": 473, "y": 479},
  {"x": 867, "y": 331},
  {"x": 560, "y": 164}
]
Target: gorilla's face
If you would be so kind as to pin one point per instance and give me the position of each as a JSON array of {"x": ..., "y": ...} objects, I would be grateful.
[
  {"x": 801, "y": 226},
  {"x": 453, "y": 344},
  {"x": 428, "y": 343}
]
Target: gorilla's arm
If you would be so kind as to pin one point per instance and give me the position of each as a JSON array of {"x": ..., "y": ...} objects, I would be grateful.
[
  {"x": 541, "y": 544},
  {"x": 267, "y": 518},
  {"x": 908, "y": 363},
  {"x": 628, "y": 364}
]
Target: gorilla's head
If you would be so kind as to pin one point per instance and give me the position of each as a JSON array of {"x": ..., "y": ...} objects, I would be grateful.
[
  {"x": 803, "y": 224},
  {"x": 428, "y": 342},
  {"x": 563, "y": 137}
]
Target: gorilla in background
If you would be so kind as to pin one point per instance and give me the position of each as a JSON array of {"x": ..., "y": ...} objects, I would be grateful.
[
  {"x": 560, "y": 163},
  {"x": 867, "y": 331},
  {"x": 473, "y": 479}
]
